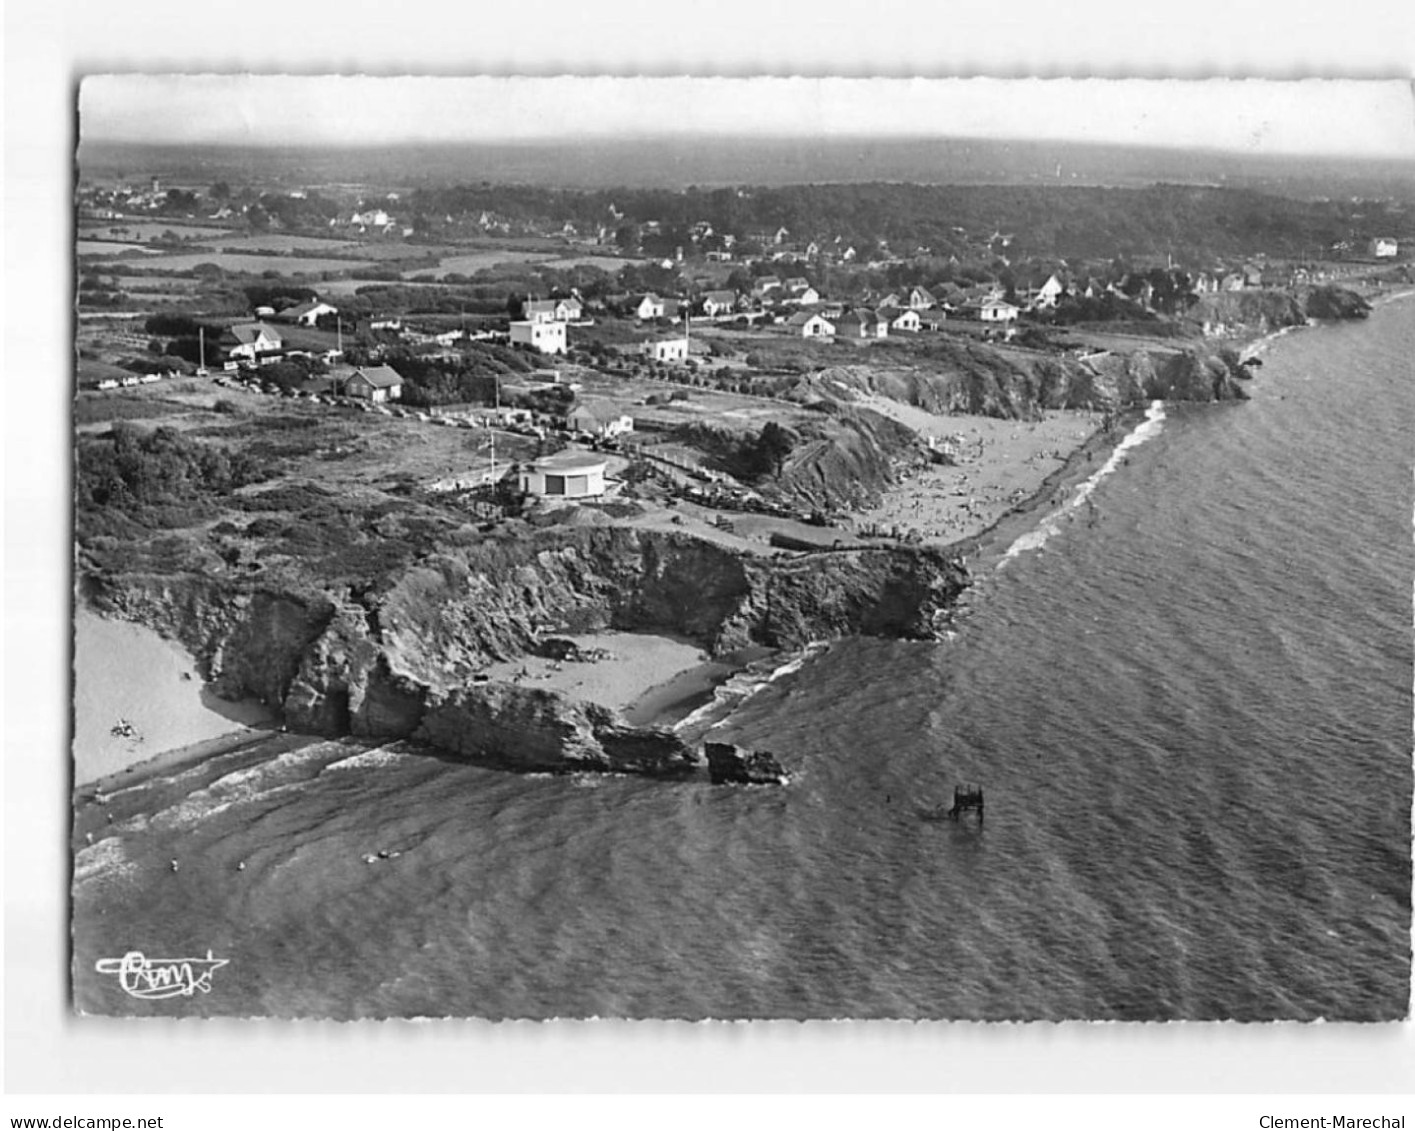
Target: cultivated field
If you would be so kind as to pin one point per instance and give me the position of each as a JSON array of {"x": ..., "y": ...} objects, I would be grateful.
[
  {"x": 280, "y": 242},
  {"x": 255, "y": 264},
  {"x": 109, "y": 247},
  {"x": 473, "y": 262},
  {"x": 152, "y": 230}
]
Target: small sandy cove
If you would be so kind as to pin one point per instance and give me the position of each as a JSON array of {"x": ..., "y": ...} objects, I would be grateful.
[
  {"x": 1000, "y": 463},
  {"x": 138, "y": 695},
  {"x": 636, "y": 663}
]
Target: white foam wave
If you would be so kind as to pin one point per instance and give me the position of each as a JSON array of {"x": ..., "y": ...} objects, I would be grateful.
[
  {"x": 745, "y": 684},
  {"x": 104, "y": 860},
  {"x": 1036, "y": 539},
  {"x": 378, "y": 756}
]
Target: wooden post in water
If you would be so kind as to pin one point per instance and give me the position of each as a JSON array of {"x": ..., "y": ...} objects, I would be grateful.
[{"x": 967, "y": 797}]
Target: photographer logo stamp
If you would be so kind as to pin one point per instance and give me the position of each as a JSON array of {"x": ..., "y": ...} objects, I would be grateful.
[{"x": 152, "y": 979}]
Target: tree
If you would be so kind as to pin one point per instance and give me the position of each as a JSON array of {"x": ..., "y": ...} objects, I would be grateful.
[{"x": 773, "y": 445}]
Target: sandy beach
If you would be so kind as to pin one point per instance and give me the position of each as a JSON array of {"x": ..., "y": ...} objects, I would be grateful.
[
  {"x": 635, "y": 665},
  {"x": 138, "y": 696},
  {"x": 1000, "y": 465}
]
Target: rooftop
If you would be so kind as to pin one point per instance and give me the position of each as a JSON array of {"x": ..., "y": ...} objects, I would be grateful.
[{"x": 570, "y": 460}]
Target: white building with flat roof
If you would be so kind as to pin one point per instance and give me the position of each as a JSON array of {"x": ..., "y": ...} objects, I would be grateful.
[
  {"x": 547, "y": 337},
  {"x": 665, "y": 349},
  {"x": 571, "y": 474}
]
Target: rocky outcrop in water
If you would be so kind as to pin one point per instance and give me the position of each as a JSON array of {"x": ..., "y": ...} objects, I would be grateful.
[
  {"x": 404, "y": 661},
  {"x": 538, "y": 729},
  {"x": 730, "y": 763}
]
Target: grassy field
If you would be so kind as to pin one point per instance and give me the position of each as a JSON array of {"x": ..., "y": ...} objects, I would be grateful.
[
  {"x": 280, "y": 243},
  {"x": 107, "y": 247},
  {"x": 472, "y": 262},
  {"x": 152, "y": 230},
  {"x": 255, "y": 264}
]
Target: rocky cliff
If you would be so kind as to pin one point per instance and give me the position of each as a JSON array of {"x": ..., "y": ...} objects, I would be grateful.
[
  {"x": 1261, "y": 311},
  {"x": 404, "y": 661}
]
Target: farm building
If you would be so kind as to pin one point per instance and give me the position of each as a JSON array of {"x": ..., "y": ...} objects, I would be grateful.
[
  {"x": 1384, "y": 248},
  {"x": 569, "y": 474},
  {"x": 547, "y": 337}
]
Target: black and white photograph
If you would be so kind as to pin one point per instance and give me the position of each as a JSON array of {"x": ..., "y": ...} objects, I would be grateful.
[{"x": 741, "y": 548}]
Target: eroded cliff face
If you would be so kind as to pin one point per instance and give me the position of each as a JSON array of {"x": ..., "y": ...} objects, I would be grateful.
[
  {"x": 1019, "y": 385},
  {"x": 403, "y": 662},
  {"x": 1263, "y": 311}
]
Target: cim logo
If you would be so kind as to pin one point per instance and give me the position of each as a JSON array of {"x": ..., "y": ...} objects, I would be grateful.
[{"x": 154, "y": 978}]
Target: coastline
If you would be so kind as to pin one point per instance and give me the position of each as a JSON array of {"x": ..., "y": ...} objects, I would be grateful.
[{"x": 998, "y": 466}]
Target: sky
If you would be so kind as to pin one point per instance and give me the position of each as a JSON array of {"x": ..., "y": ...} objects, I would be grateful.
[{"x": 1370, "y": 118}]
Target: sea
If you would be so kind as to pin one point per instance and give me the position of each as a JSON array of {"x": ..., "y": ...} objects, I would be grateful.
[{"x": 1184, "y": 688}]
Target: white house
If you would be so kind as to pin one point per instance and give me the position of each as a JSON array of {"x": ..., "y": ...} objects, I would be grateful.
[
  {"x": 907, "y": 321},
  {"x": 553, "y": 310},
  {"x": 377, "y": 383},
  {"x": 539, "y": 310},
  {"x": 719, "y": 302},
  {"x": 570, "y": 474},
  {"x": 861, "y": 324},
  {"x": 811, "y": 325},
  {"x": 802, "y": 292},
  {"x": 1047, "y": 294},
  {"x": 1384, "y": 248},
  {"x": 996, "y": 310},
  {"x": 568, "y": 309},
  {"x": 921, "y": 299},
  {"x": 665, "y": 349},
  {"x": 306, "y": 313},
  {"x": 547, "y": 337},
  {"x": 648, "y": 307},
  {"x": 254, "y": 339},
  {"x": 598, "y": 421}
]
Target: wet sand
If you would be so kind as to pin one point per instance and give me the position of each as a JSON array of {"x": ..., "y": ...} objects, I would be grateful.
[{"x": 1000, "y": 465}]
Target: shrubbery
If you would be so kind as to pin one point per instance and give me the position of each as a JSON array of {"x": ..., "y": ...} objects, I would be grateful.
[{"x": 131, "y": 469}]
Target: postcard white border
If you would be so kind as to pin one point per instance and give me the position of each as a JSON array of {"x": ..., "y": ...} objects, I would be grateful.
[{"x": 48, "y": 45}]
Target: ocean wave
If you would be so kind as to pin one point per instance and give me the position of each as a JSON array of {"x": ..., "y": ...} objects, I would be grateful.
[
  {"x": 742, "y": 686},
  {"x": 106, "y": 859},
  {"x": 1035, "y": 539},
  {"x": 367, "y": 759}
]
